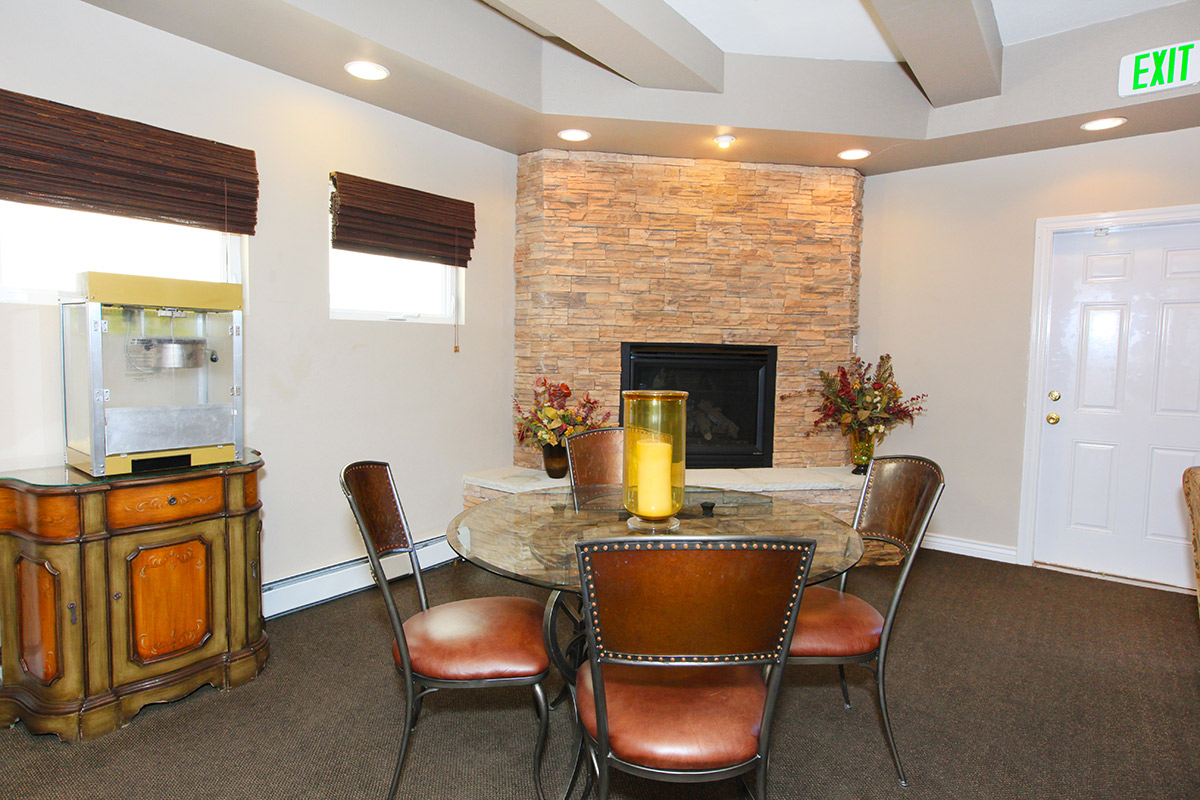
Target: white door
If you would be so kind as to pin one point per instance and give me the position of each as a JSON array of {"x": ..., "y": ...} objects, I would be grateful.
[{"x": 1123, "y": 358}]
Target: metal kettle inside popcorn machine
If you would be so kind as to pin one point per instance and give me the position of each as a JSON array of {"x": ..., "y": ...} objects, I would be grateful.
[{"x": 152, "y": 374}]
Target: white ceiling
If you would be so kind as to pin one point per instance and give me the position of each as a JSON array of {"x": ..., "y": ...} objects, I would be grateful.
[
  {"x": 848, "y": 30},
  {"x": 917, "y": 82}
]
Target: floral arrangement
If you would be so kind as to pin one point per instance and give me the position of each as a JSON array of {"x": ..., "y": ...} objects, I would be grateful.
[
  {"x": 550, "y": 419},
  {"x": 865, "y": 403}
]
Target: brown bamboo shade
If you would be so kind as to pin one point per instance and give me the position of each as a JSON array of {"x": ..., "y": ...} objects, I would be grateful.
[
  {"x": 384, "y": 219},
  {"x": 57, "y": 155}
]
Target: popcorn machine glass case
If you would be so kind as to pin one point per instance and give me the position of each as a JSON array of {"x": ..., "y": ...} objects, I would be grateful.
[{"x": 152, "y": 374}]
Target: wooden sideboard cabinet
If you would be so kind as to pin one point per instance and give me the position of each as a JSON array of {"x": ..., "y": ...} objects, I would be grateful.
[{"x": 119, "y": 592}]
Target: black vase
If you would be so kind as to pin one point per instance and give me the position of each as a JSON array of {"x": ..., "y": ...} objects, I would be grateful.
[{"x": 554, "y": 459}]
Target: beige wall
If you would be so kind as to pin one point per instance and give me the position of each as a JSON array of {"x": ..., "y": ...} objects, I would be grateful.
[
  {"x": 319, "y": 393},
  {"x": 947, "y": 288}
]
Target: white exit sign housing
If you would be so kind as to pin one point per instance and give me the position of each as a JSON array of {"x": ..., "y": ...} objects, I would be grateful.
[{"x": 1161, "y": 68}]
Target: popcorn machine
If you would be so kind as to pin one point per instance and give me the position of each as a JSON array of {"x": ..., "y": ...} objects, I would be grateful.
[{"x": 152, "y": 374}]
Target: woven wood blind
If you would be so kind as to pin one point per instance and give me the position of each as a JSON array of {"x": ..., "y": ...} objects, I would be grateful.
[
  {"x": 57, "y": 155},
  {"x": 384, "y": 219}
]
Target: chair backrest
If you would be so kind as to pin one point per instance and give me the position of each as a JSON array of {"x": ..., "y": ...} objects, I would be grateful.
[
  {"x": 670, "y": 600},
  {"x": 898, "y": 499},
  {"x": 682, "y": 601},
  {"x": 595, "y": 457},
  {"x": 371, "y": 492},
  {"x": 1191, "y": 493}
]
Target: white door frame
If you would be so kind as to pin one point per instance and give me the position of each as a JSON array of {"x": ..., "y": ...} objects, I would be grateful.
[{"x": 1043, "y": 254}]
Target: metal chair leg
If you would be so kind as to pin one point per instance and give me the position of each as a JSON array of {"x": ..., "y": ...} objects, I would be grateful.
[
  {"x": 602, "y": 780},
  {"x": 543, "y": 712},
  {"x": 580, "y": 754},
  {"x": 410, "y": 721},
  {"x": 887, "y": 725},
  {"x": 419, "y": 693},
  {"x": 845, "y": 690}
]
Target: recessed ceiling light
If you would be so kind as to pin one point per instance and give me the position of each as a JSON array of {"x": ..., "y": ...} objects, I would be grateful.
[
  {"x": 854, "y": 154},
  {"x": 724, "y": 140},
  {"x": 367, "y": 70},
  {"x": 574, "y": 135},
  {"x": 1104, "y": 124}
]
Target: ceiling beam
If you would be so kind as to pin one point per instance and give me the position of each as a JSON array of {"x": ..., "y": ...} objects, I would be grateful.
[
  {"x": 644, "y": 41},
  {"x": 952, "y": 47}
]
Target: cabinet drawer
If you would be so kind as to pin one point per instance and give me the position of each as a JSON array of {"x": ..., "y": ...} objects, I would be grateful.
[{"x": 164, "y": 502}]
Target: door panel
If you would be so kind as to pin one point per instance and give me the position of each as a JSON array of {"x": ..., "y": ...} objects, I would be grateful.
[
  {"x": 1124, "y": 352},
  {"x": 1178, "y": 390},
  {"x": 1102, "y": 358},
  {"x": 152, "y": 634}
]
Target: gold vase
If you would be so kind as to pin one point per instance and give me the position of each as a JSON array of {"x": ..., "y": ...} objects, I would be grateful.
[
  {"x": 862, "y": 450},
  {"x": 655, "y": 429}
]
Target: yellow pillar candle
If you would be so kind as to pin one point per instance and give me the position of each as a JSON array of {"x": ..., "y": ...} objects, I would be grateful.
[{"x": 654, "y": 479}]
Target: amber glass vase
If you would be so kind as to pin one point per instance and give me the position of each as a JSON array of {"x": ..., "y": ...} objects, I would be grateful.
[
  {"x": 655, "y": 430},
  {"x": 862, "y": 450}
]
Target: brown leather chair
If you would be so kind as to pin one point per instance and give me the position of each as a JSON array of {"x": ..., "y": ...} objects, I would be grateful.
[
  {"x": 467, "y": 644},
  {"x": 835, "y": 627},
  {"x": 687, "y": 637},
  {"x": 1191, "y": 493},
  {"x": 595, "y": 459}
]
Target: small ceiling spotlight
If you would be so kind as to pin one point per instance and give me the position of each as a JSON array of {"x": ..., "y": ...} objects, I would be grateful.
[
  {"x": 724, "y": 140},
  {"x": 854, "y": 154},
  {"x": 367, "y": 70},
  {"x": 574, "y": 135},
  {"x": 1104, "y": 124}
]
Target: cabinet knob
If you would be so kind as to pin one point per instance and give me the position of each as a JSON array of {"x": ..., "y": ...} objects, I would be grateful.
[
  {"x": 171, "y": 500},
  {"x": 116, "y": 596}
]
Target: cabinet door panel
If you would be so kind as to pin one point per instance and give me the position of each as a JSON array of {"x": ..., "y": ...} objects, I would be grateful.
[
  {"x": 169, "y": 599},
  {"x": 254, "y": 617},
  {"x": 41, "y": 638},
  {"x": 45, "y": 639}
]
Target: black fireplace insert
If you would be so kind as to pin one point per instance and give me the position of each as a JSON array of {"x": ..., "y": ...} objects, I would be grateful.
[{"x": 731, "y": 396}]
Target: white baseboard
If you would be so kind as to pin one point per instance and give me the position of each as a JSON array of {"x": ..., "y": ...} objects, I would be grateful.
[
  {"x": 309, "y": 589},
  {"x": 966, "y": 547}
]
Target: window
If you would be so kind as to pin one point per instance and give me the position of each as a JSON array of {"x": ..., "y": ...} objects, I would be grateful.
[
  {"x": 396, "y": 253},
  {"x": 43, "y": 248},
  {"x": 82, "y": 191},
  {"x": 373, "y": 287}
]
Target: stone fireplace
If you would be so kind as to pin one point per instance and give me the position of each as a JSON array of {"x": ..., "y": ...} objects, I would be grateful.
[{"x": 616, "y": 248}]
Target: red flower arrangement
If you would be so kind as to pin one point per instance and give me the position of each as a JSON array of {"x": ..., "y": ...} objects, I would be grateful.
[
  {"x": 864, "y": 403},
  {"x": 550, "y": 420}
]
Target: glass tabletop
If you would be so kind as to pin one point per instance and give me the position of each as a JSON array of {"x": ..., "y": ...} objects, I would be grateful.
[{"x": 530, "y": 536}]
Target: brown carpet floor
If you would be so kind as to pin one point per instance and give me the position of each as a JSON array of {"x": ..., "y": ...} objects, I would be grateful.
[{"x": 1004, "y": 682}]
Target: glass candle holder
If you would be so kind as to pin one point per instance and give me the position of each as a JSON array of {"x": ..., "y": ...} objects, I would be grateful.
[{"x": 655, "y": 428}]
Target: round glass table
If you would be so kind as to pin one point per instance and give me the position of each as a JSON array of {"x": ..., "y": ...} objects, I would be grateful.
[{"x": 530, "y": 536}]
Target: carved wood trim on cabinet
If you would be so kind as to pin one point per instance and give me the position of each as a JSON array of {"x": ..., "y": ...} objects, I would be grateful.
[{"x": 119, "y": 592}]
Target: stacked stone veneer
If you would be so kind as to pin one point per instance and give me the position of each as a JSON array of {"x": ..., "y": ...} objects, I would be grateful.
[{"x": 616, "y": 248}]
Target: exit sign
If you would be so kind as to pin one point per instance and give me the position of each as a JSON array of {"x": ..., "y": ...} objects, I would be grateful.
[{"x": 1158, "y": 69}]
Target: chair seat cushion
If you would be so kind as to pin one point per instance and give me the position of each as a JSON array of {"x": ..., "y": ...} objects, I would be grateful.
[
  {"x": 686, "y": 718},
  {"x": 832, "y": 624},
  {"x": 477, "y": 639}
]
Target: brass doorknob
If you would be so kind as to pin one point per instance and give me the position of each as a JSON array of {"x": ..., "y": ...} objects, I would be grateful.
[
  {"x": 1054, "y": 396},
  {"x": 1052, "y": 419}
]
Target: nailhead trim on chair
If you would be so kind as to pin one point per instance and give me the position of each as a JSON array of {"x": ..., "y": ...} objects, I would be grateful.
[
  {"x": 867, "y": 493},
  {"x": 744, "y": 658},
  {"x": 395, "y": 505}
]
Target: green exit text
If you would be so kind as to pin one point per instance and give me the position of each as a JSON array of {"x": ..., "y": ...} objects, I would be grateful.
[{"x": 1161, "y": 68}]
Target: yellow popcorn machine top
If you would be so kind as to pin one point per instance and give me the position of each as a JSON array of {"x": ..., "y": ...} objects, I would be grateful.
[{"x": 152, "y": 374}]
